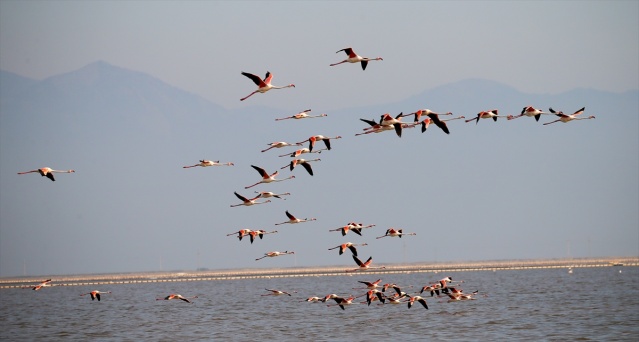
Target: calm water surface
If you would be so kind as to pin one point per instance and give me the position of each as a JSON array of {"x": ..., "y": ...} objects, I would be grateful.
[{"x": 548, "y": 304}]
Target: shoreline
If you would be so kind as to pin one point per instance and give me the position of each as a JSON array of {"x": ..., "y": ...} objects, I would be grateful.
[{"x": 235, "y": 274}]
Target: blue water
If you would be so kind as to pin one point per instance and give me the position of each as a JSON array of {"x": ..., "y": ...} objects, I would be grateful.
[{"x": 594, "y": 304}]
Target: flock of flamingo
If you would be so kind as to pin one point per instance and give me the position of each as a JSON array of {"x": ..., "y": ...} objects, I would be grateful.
[{"x": 421, "y": 117}]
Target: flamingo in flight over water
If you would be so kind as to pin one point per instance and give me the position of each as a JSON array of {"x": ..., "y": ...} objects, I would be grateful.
[
  {"x": 95, "y": 294},
  {"x": 355, "y": 58},
  {"x": 248, "y": 201},
  {"x": 177, "y": 296},
  {"x": 348, "y": 245},
  {"x": 419, "y": 299},
  {"x": 392, "y": 232},
  {"x": 343, "y": 301},
  {"x": 274, "y": 254},
  {"x": 567, "y": 118},
  {"x": 302, "y": 115},
  {"x": 530, "y": 112},
  {"x": 207, "y": 163},
  {"x": 277, "y": 293},
  {"x": 263, "y": 85},
  {"x": 491, "y": 114},
  {"x": 40, "y": 285},
  {"x": 292, "y": 219},
  {"x": 46, "y": 171},
  {"x": 267, "y": 194},
  {"x": 370, "y": 284},
  {"x": 280, "y": 144},
  {"x": 305, "y": 163},
  {"x": 266, "y": 178},
  {"x": 364, "y": 266}
]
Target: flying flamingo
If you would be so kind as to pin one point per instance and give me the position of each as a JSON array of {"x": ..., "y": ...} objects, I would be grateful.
[
  {"x": 206, "y": 163},
  {"x": 413, "y": 299},
  {"x": 40, "y": 285},
  {"x": 343, "y": 301},
  {"x": 392, "y": 232},
  {"x": 530, "y": 112},
  {"x": 313, "y": 299},
  {"x": 370, "y": 284},
  {"x": 303, "y": 162},
  {"x": 46, "y": 171},
  {"x": 355, "y": 58},
  {"x": 435, "y": 120},
  {"x": 95, "y": 294},
  {"x": 364, "y": 266},
  {"x": 266, "y": 178},
  {"x": 248, "y": 201},
  {"x": 259, "y": 233},
  {"x": 293, "y": 219},
  {"x": 348, "y": 245},
  {"x": 426, "y": 112},
  {"x": 388, "y": 120},
  {"x": 277, "y": 293},
  {"x": 262, "y": 85},
  {"x": 274, "y": 254},
  {"x": 241, "y": 233},
  {"x": 379, "y": 128},
  {"x": 313, "y": 139},
  {"x": 280, "y": 144},
  {"x": 567, "y": 118},
  {"x": 302, "y": 115},
  {"x": 268, "y": 194},
  {"x": 301, "y": 151},
  {"x": 355, "y": 227},
  {"x": 491, "y": 114},
  {"x": 177, "y": 296},
  {"x": 375, "y": 294}
]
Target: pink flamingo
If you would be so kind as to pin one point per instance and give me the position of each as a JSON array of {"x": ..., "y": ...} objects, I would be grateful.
[
  {"x": 313, "y": 139},
  {"x": 207, "y": 163},
  {"x": 370, "y": 284},
  {"x": 413, "y": 299},
  {"x": 280, "y": 144},
  {"x": 426, "y": 112},
  {"x": 177, "y": 296},
  {"x": 436, "y": 121},
  {"x": 268, "y": 194},
  {"x": 40, "y": 285},
  {"x": 355, "y": 227},
  {"x": 95, "y": 294},
  {"x": 491, "y": 114},
  {"x": 262, "y": 85},
  {"x": 292, "y": 219},
  {"x": 303, "y": 162},
  {"x": 274, "y": 254},
  {"x": 241, "y": 233},
  {"x": 355, "y": 58},
  {"x": 374, "y": 294},
  {"x": 348, "y": 245},
  {"x": 266, "y": 178},
  {"x": 277, "y": 293},
  {"x": 313, "y": 299},
  {"x": 302, "y": 115},
  {"x": 343, "y": 301},
  {"x": 248, "y": 201},
  {"x": 392, "y": 232},
  {"x": 379, "y": 128},
  {"x": 259, "y": 233},
  {"x": 46, "y": 171},
  {"x": 567, "y": 118},
  {"x": 364, "y": 266},
  {"x": 301, "y": 151},
  {"x": 530, "y": 112}
]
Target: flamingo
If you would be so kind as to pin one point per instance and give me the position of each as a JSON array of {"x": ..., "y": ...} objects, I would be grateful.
[
  {"x": 433, "y": 118},
  {"x": 413, "y": 299},
  {"x": 277, "y": 293},
  {"x": 266, "y": 178},
  {"x": 378, "y": 128},
  {"x": 387, "y": 120},
  {"x": 263, "y": 85},
  {"x": 248, "y": 201},
  {"x": 95, "y": 294},
  {"x": 567, "y": 118},
  {"x": 303, "y": 162},
  {"x": 348, "y": 245},
  {"x": 372, "y": 294},
  {"x": 280, "y": 144},
  {"x": 355, "y": 58},
  {"x": 42, "y": 284},
  {"x": 268, "y": 194},
  {"x": 274, "y": 254},
  {"x": 491, "y": 114},
  {"x": 396, "y": 288},
  {"x": 395, "y": 299},
  {"x": 177, "y": 296},
  {"x": 392, "y": 232},
  {"x": 530, "y": 112},
  {"x": 315, "y": 138},
  {"x": 241, "y": 233},
  {"x": 313, "y": 299},
  {"x": 302, "y": 115},
  {"x": 364, "y": 266},
  {"x": 255, "y": 233},
  {"x": 343, "y": 301},
  {"x": 433, "y": 289},
  {"x": 206, "y": 163},
  {"x": 46, "y": 171},
  {"x": 370, "y": 284},
  {"x": 292, "y": 219},
  {"x": 301, "y": 151},
  {"x": 355, "y": 227},
  {"x": 427, "y": 112},
  {"x": 331, "y": 296}
]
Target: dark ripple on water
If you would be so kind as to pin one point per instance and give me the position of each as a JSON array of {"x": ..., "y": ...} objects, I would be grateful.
[{"x": 546, "y": 304}]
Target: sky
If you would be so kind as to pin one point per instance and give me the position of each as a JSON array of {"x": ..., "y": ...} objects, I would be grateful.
[{"x": 537, "y": 47}]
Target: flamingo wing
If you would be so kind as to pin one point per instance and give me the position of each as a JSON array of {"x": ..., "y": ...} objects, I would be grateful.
[
  {"x": 261, "y": 171},
  {"x": 242, "y": 198},
  {"x": 290, "y": 216},
  {"x": 580, "y": 111},
  {"x": 359, "y": 262},
  {"x": 439, "y": 123},
  {"x": 268, "y": 77},
  {"x": 307, "y": 166},
  {"x": 256, "y": 79}
]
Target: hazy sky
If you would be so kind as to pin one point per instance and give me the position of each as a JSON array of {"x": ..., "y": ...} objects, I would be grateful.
[{"x": 537, "y": 47}]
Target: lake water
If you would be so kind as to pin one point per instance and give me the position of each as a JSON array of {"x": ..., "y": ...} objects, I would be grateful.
[{"x": 599, "y": 303}]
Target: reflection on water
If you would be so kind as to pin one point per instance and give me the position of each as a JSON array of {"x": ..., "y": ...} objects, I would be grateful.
[{"x": 546, "y": 304}]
